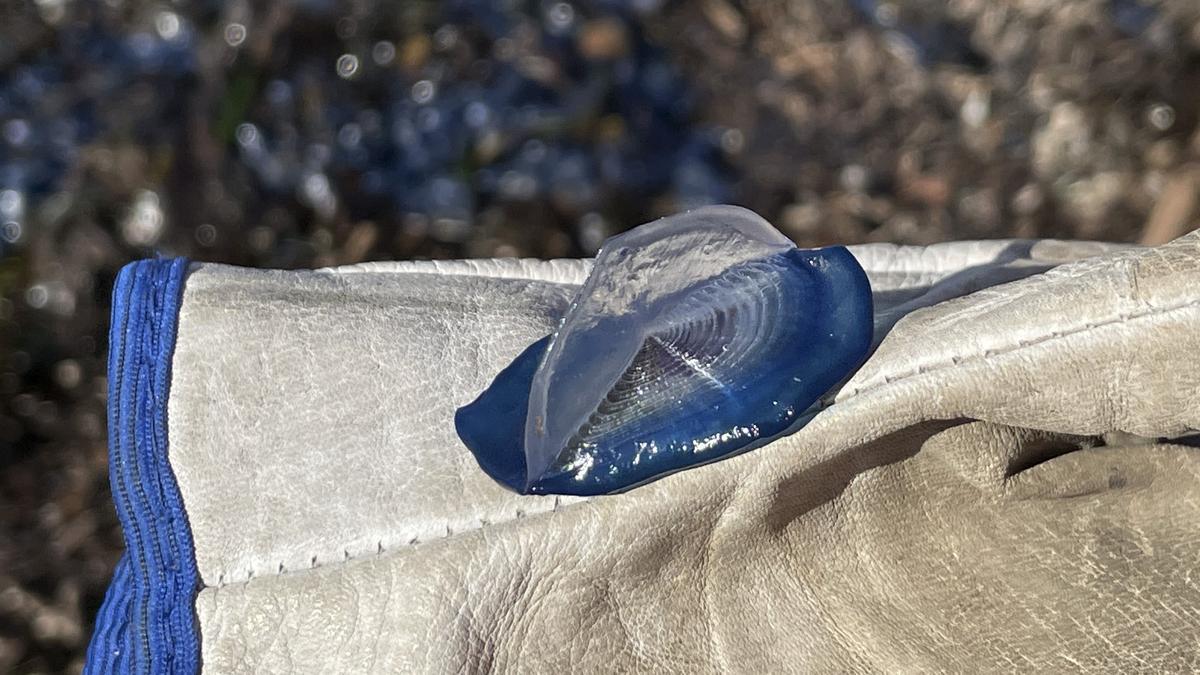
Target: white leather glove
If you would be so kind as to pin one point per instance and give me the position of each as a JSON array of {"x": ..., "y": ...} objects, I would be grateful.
[{"x": 991, "y": 491}]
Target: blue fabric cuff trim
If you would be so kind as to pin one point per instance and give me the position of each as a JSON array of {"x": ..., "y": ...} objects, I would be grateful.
[{"x": 147, "y": 623}]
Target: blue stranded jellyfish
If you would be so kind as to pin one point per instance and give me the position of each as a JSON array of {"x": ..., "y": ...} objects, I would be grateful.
[{"x": 695, "y": 337}]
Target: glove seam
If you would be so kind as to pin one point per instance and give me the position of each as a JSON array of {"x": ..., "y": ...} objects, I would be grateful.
[
  {"x": 958, "y": 360},
  {"x": 281, "y": 569}
]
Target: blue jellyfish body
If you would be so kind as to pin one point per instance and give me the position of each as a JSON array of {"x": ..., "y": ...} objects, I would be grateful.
[{"x": 695, "y": 337}]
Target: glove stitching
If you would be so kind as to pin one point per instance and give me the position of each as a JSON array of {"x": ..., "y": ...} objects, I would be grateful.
[
  {"x": 1012, "y": 347},
  {"x": 281, "y": 568}
]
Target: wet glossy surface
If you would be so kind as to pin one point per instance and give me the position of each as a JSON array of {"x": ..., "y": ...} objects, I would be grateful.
[{"x": 695, "y": 337}]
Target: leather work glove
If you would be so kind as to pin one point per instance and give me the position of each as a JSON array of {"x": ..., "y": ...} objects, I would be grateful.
[{"x": 1006, "y": 484}]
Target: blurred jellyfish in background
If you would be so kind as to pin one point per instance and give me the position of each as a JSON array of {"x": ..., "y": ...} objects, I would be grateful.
[{"x": 326, "y": 115}]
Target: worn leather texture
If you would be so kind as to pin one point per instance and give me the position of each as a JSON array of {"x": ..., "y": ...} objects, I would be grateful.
[{"x": 998, "y": 488}]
